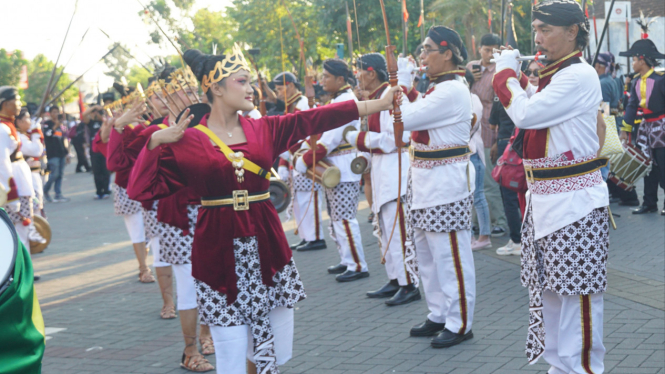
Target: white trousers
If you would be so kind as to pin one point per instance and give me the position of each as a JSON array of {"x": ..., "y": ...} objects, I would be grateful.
[
  {"x": 157, "y": 262},
  {"x": 22, "y": 233},
  {"x": 135, "y": 227},
  {"x": 396, "y": 249},
  {"x": 573, "y": 333},
  {"x": 349, "y": 244},
  {"x": 185, "y": 287},
  {"x": 308, "y": 214},
  {"x": 235, "y": 345},
  {"x": 449, "y": 277}
]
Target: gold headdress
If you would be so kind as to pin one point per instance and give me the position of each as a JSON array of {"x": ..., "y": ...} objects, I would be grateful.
[
  {"x": 153, "y": 89},
  {"x": 232, "y": 63},
  {"x": 181, "y": 79}
]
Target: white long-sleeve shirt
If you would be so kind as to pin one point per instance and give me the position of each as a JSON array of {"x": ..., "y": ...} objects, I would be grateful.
[
  {"x": 445, "y": 113},
  {"x": 334, "y": 138},
  {"x": 568, "y": 108}
]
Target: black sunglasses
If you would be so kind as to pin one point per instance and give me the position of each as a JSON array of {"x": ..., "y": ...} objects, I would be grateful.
[{"x": 529, "y": 72}]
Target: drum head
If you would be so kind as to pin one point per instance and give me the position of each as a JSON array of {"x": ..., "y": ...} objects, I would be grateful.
[
  {"x": 8, "y": 250},
  {"x": 331, "y": 177},
  {"x": 280, "y": 195},
  {"x": 44, "y": 229}
]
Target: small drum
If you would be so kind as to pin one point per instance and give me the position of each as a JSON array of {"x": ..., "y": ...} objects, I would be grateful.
[
  {"x": 325, "y": 174},
  {"x": 44, "y": 229},
  {"x": 8, "y": 251},
  {"x": 629, "y": 167},
  {"x": 280, "y": 194}
]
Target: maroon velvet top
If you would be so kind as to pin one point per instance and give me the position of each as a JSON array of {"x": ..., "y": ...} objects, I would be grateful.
[
  {"x": 195, "y": 162},
  {"x": 112, "y": 148}
]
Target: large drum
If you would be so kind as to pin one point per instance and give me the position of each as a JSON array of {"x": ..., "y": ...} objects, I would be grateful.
[
  {"x": 325, "y": 174},
  {"x": 629, "y": 167},
  {"x": 8, "y": 251},
  {"x": 44, "y": 229}
]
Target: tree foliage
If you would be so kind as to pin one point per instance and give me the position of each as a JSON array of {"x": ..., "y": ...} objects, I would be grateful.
[
  {"x": 10, "y": 67},
  {"x": 39, "y": 74}
]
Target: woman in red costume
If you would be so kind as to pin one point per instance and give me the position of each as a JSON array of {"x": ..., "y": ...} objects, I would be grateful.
[{"x": 247, "y": 282}]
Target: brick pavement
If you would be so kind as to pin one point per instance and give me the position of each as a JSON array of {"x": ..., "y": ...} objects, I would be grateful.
[{"x": 111, "y": 322}]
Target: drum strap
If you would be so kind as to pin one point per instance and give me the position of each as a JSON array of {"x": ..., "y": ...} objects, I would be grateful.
[{"x": 228, "y": 152}]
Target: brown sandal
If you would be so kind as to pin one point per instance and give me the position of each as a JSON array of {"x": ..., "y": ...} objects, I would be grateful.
[
  {"x": 145, "y": 275},
  {"x": 168, "y": 312},
  {"x": 207, "y": 346},
  {"x": 196, "y": 363}
]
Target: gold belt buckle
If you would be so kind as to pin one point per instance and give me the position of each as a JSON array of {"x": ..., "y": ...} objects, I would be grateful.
[
  {"x": 528, "y": 170},
  {"x": 412, "y": 153},
  {"x": 240, "y": 200}
]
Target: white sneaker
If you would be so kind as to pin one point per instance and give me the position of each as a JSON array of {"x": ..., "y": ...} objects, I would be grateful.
[{"x": 510, "y": 249}]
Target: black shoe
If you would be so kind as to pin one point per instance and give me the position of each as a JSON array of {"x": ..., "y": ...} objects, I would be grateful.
[
  {"x": 427, "y": 328},
  {"x": 313, "y": 245},
  {"x": 295, "y": 246},
  {"x": 662, "y": 212},
  {"x": 645, "y": 209},
  {"x": 389, "y": 290},
  {"x": 405, "y": 295},
  {"x": 350, "y": 276},
  {"x": 36, "y": 277},
  {"x": 370, "y": 217},
  {"x": 448, "y": 338},
  {"x": 629, "y": 203},
  {"x": 337, "y": 269},
  {"x": 498, "y": 231}
]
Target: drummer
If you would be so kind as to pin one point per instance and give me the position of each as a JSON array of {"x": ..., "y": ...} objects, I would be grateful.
[
  {"x": 647, "y": 94},
  {"x": 343, "y": 199}
]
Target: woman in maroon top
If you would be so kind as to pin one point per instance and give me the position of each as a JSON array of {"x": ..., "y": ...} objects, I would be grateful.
[{"x": 247, "y": 282}]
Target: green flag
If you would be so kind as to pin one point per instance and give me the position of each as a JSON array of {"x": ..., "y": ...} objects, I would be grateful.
[{"x": 21, "y": 321}]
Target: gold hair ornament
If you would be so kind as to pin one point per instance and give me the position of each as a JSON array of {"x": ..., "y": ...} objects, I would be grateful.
[{"x": 232, "y": 63}]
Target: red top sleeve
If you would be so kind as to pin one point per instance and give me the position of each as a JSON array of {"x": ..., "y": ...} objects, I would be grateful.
[
  {"x": 97, "y": 144},
  {"x": 287, "y": 130},
  {"x": 155, "y": 175}
]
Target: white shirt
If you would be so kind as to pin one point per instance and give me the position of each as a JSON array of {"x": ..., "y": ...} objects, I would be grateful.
[
  {"x": 568, "y": 107},
  {"x": 476, "y": 143},
  {"x": 333, "y": 138},
  {"x": 445, "y": 113},
  {"x": 384, "y": 167}
]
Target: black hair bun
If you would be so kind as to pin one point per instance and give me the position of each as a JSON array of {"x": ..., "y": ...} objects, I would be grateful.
[{"x": 197, "y": 62}]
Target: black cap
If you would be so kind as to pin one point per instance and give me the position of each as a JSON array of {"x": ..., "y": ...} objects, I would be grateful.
[
  {"x": 7, "y": 93},
  {"x": 375, "y": 62},
  {"x": 285, "y": 76},
  {"x": 561, "y": 13},
  {"x": 643, "y": 48},
  {"x": 447, "y": 38}
]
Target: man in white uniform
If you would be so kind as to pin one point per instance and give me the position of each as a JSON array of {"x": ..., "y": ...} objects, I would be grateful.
[
  {"x": 565, "y": 234},
  {"x": 440, "y": 190},
  {"x": 378, "y": 145},
  {"x": 343, "y": 199},
  {"x": 306, "y": 205}
]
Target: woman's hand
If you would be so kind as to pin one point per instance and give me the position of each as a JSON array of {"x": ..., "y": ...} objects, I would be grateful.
[
  {"x": 171, "y": 134},
  {"x": 368, "y": 107},
  {"x": 388, "y": 99},
  {"x": 105, "y": 130},
  {"x": 132, "y": 115}
]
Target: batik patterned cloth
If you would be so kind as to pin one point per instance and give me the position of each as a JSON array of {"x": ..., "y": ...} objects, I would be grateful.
[
  {"x": 570, "y": 261},
  {"x": 343, "y": 201},
  {"x": 254, "y": 302},
  {"x": 175, "y": 244},
  {"x": 122, "y": 204}
]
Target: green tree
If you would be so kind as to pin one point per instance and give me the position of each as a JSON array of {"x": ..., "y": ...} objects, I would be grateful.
[
  {"x": 138, "y": 74},
  {"x": 39, "y": 74},
  {"x": 10, "y": 67},
  {"x": 117, "y": 62}
]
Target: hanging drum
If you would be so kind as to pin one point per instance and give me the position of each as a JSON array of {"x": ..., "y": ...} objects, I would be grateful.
[
  {"x": 280, "y": 194},
  {"x": 627, "y": 168},
  {"x": 44, "y": 229},
  {"x": 359, "y": 165},
  {"x": 323, "y": 173}
]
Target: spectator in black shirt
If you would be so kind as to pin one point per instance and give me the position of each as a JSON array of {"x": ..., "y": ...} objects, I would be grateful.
[
  {"x": 92, "y": 120},
  {"x": 79, "y": 141},
  {"x": 57, "y": 145}
]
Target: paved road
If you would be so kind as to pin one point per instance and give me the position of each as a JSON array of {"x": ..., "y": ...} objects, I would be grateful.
[{"x": 100, "y": 319}]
